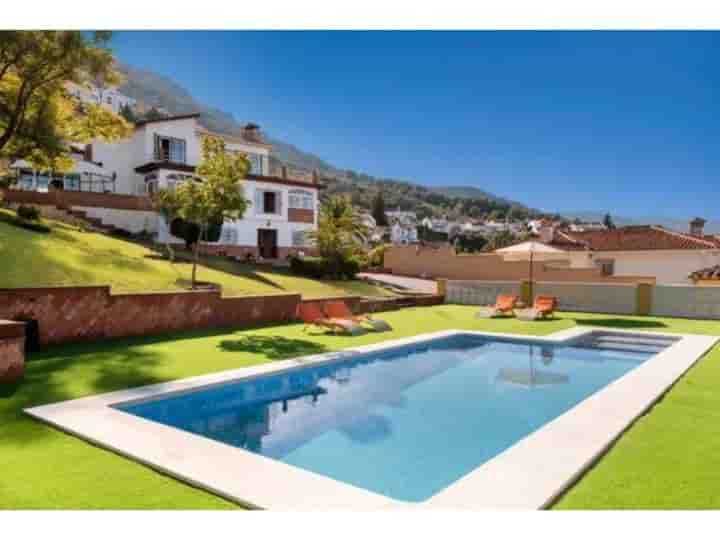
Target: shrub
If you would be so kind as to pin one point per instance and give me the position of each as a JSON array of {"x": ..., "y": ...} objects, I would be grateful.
[
  {"x": 190, "y": 232},
  {"x": 319, "y": 268},
  {"x": 15, "y": 221},
  {"x": 376, "y": 257},
  {"x": 28, "y": 212}
]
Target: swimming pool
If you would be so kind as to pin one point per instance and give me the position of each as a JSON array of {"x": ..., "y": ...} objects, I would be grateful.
[
  {"x": 454, "y": 419},
  {"x": 404, "y": 422}
]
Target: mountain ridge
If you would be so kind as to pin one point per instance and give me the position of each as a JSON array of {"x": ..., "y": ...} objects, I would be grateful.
[{"x": 156, "y": 90}]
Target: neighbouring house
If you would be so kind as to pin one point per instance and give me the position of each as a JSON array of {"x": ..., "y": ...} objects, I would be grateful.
[
  {"x": 438, "y": 225},
  {"x": 639, "y": 250},
  {"x": 587, "y": 226},
  {"x": 405, "y": 216},
  {"x": 109, "y": 97},
  {"x": 162, "y": 153},
  {"x": 403, "y": 233},
  {"x": 706, "y": 276}
]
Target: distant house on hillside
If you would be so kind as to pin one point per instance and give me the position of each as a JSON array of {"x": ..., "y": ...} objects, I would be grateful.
[
  {"x": 403, "y": 233},
  {"x": 587, "y": 226},
  {"x": 110, "y": 98},
  {"x": 639, "y": 250}
]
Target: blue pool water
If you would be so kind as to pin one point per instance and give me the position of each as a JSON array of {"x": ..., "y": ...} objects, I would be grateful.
[{"x": 404, "y": 422}]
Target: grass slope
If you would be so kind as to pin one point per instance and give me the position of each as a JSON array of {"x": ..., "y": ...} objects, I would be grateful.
[
  {"x": 68, "y": 256},
  {"x": 668, "y": 459}
]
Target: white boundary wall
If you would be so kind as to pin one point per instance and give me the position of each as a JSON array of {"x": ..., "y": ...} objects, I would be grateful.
[
  {"x": 478, "y": 293},
  {"x": 691, "y": 301},
  {"x": 592, "y": 297}
]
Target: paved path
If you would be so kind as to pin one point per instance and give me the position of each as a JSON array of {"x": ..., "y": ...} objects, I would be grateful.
[{"x": 413, "y": 284}]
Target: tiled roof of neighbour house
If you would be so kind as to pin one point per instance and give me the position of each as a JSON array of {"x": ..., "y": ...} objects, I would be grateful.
[
  {"x": 633, "y": 238},
  {"x": 140, "y": 123},
  {"x": 711, "y": 273}
]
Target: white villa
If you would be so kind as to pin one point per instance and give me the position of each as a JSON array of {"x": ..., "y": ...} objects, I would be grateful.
[{"x": 162, "y": 153}]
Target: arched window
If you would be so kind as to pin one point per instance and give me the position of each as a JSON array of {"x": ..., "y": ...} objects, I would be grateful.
[{"x": 299, "y": 198}]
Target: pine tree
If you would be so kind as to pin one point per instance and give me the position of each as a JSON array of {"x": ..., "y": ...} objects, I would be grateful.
[
  {"x": 378, "y": 210},
  {"x": 608, "y": 222},
  {"x": 127, "y": 113}
]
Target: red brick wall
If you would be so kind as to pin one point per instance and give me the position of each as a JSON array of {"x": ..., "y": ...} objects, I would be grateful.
[
  {"x": 301, "y": 215},
  {"x": 86, "y": 313},
  {"x": 241, "y": 251},
  {"x": 12, "y": 351}
]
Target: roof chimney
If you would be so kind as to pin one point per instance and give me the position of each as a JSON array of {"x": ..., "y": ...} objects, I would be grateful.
[
  {"x": 251, "y": 132},
  {"x": 696, "y": 226}
]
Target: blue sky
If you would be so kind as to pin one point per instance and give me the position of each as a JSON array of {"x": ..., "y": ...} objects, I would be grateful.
[{"x": 626, "y": 122}]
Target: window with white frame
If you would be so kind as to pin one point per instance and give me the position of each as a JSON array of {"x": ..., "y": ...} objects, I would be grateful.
[
  {"x": 268, "y": 201},
  {"x": 151, "y": 184},
  {"x": 256, "y": 163},
  {"x": 174, "y": 179},
  {"x": 299, "y": 198},
  {"x": 298, "y": 238},
  {"x": 26, "y": 181},
  {"x": 169, "y": 149},
  {"x": 228, "y": 234}
]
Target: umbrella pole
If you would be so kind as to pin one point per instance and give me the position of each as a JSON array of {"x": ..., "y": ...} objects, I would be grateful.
[{"x": 530, "y": 284}]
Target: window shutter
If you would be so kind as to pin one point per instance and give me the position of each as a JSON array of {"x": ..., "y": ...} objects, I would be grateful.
[
  {"x": 157, "y": 148},
  {"x": 258, "y": 201},
  {"x": 279, "y": 197}
]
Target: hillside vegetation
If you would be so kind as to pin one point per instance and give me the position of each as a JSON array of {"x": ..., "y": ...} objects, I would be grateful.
[
  {"x": 68, "y": 256},
  {"x": 159, "y": 91}
]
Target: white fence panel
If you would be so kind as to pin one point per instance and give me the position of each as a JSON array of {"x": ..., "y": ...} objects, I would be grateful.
[
  {"x": 691, "y": 301},
  {"x": 478, "y": 293},
  {"x": 591, "y": 297}
]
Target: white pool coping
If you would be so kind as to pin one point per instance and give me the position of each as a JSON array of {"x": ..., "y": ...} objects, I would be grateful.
[{"x": 528, "y": 475}]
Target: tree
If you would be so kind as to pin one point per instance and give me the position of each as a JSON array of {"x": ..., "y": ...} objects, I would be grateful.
[
  {"x": 38, "y": 116},
  {"x": 153, "y": 114},
  {"x": 378, "y": 210},
  {"x": 214, "y": 199},
  {"x": 608, "y": 222},
  {"x": 128, "y": 114},
  {"x": 339, "y": 234},
  {"x": 168, "y": 204}
]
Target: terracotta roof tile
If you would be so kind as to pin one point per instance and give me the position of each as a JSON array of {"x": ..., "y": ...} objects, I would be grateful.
[
  {"x": 633, "y": 238},
  {"x": 712, "y": 272}
]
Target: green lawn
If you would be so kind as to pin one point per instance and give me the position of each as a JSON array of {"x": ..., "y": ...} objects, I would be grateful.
[
  {"x": 669, "y": 459},
  {"x": 68, "y": 256}
]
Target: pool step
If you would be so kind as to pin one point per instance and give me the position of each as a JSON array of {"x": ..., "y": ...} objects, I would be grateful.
[{"x": 617, "y": 346}]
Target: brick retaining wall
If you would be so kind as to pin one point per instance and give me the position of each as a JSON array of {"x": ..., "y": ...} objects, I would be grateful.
[
  {"x": 12, "y": 351},
  {"x": 85, "y": 313},
  {"x": 68, "y": 199}
]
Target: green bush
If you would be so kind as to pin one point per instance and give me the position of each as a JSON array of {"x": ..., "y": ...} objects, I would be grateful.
[
  {"x": 29, "y": 213},
  {"x": 190, "y": 232},
  {"x": 319, "y": 268},
  {"x": 376, "y": 257},
  {"x": 16, "y": 221}
]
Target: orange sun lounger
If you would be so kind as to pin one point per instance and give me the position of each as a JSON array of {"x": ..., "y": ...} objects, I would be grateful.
[
  {"x": 339, "y": 309},
  {"x": 543, "y": 307},
  {"x": 311, "y": 314},
  {"x": 504, "y": 305}
]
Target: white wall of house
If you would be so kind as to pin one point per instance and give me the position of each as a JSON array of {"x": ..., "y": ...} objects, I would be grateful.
[
  {"x": 135, "y": 221},
  {"x": 244, "y": 232},
  {"x": 667, "y": 266}
]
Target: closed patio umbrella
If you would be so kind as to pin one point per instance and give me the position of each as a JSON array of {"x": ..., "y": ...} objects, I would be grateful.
[{"x": 532, "y": 251}]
